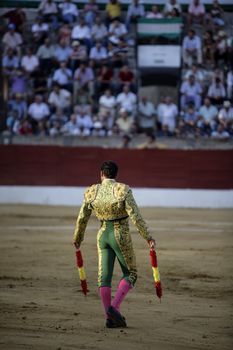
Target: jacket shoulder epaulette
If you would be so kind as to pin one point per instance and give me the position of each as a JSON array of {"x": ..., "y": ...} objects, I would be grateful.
[
  {"x": 90, "y": 193},
  {"x": 120, "y": 191}
]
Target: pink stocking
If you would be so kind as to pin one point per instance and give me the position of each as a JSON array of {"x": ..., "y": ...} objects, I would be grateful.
[
  {"x": 122, "y": 290},
  {"x": 105, "y": 295}
]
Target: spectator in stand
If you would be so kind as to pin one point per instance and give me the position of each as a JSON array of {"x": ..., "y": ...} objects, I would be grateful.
[
  {"x": 104, "y": 79},
  {"x": 229, "y": 84},
  {"x": 82, "y": 33},
  {"x": 24, "y": 128},
  {"x": 90, "y": 12},
  {"x": 45, "y": 53},
  {"x": 48, "y": 9},
  {"x": 60, "y": 98},
  {"x": 55, "y": 129},
  {"x": 18, "y": 83},
  {"x": 107, "y": 104},
  {"x": 117, "y": 32},
  {"x": 168, "y": 115},
  {"x": 83, "y": 79},
  {"x": 225, "y": 116},
  {"x": 208, "y": 48},
  {"x": 191, "y": 92},
  {"x": 220, "y": 134},
  {"x": 71, "y": 127},
  {"x": 154, "y": 13},
  {"x": 12, "y": 122},
  {"x": 191, "y": 48},
  {"x": 107, "y": 122},
  {"x": 12, "y": 39},
  {"x": 217, "y": 92},
  {"x": 125, "y": 123},
  {"x": 127, "y": 100},
  {"x": 134, "y": 12},
  {"x": 62, "y": 52},
  {"x": 85, "y": 124},
  {"x": 221, "y": 49},
  {"x": 69, "y": 11},
  {"x": 30, "y": 62},
  {"x": 113, "y": 10},
  {"x": 99, "y": 30},
  {"x": 40, "y": 83},
  {"x": 126, "y": 77},
  {"x": 118, "y": 54},
  {"x": 98, "y": 54},
  {"x": 58, "y": 117},
  {"x": 18, "y": 105},
  {"x": 17, "y": 17},
  {"x": 170, "y": 6},
  {"x": 207, "y": 117},
  {"x": 39, "y": 30},
  {"x": 196, "y": 72},
  {"x": 38, "y": 111},
  {"x": 10, "y": 62},
  {"x": 78, "y": 54},
  {"x": 151, "y": 143},
  {"x": 64, "y": 33},
  {"x": 216, "y": 14},
  {"x": 63, "y": 76},
  {"x": 196, "y": 12},
  {"x": 188, "y": 124},
  {"x": 147, "y": 114}
]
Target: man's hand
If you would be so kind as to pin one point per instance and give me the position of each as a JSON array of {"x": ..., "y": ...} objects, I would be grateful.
[
  {"x": 151, "y": 243},
  {"x": 77, "y": 246}
]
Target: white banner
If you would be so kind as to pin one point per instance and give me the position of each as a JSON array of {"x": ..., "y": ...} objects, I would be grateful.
[{"x": 159, "y": 56}]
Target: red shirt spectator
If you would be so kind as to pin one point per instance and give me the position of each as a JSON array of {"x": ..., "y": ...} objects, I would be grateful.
[{"x": 125, "y": 75}]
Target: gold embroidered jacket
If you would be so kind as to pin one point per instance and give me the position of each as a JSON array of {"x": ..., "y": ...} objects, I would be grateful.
[{"x": 109, "y": 200}]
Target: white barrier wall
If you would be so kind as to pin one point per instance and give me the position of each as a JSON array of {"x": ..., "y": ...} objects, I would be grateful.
[{"x": 146, "y": 197}]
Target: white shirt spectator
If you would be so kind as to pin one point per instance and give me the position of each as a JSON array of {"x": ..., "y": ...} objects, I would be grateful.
[
  {"x": 80, "y": 32},
  {"x": 98, "y": 32},
  {"x": 107, "y": 101},
  {"x": 127, "y": 101},
  {"x": 39, "y": 28},
  {"x": 117, "y": 31},
  {"x": 208, "y": 113},
  {"x": 169, "y": 113},
  {"x": 147, "y": 111},
  {"x": 216, "y": 91},
  {"x": 84, "y": 121},
  {"x": 168, "y": 8},
  {"x": 191, "y": 44},
  {"x": 30, "y": 63},
  {"x": 98, "y": 54},
  {"x": 48, "y": 8},
  {"x": 68, "y": 8},
  {"x": 62, "y": 76},
  {"x": 196, "y": 10},
  {"x": 226, "y": 114},
  {"x": 62, "y": 99},
  {"x": 135, "y": 11},
  {"x": 12, "y": 40},
  {"x": 191, "y": 90},
  {"x": 154, "y": 13},
  {"x": 198, "y": 74},
  {"x": 38, "y": 111}
]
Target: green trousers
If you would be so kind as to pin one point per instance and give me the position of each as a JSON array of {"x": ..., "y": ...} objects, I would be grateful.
[{"x": 108, "y": 251}]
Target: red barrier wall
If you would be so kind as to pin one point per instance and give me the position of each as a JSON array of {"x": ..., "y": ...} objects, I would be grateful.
[{"x": 74, "y": 166}]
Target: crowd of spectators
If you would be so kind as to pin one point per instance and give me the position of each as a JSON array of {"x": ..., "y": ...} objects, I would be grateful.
[{"x": 70, "y": 74}]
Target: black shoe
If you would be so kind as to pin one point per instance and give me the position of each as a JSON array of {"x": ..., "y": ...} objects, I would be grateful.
[
  {"x": 111, "y": 324},
  {"x": 116, "y": 317}
]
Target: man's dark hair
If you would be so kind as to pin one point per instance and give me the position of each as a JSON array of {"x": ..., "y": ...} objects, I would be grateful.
[{"x": 109, "y": 169}]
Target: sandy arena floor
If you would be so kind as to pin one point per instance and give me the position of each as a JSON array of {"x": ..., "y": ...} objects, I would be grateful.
[{"x": 42, "y": 307}]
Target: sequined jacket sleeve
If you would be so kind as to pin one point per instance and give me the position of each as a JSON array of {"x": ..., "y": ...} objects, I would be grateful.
[
  {"x": 135, "y": 215},
  {"x": 81, "y": 223}
]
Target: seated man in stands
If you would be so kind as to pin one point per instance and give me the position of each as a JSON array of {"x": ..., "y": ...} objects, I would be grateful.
[
  {"x": 69, "y": 11},
  {"x": 191, "y": 92},
  {"x": 30, "y": 62},
  {"x": 85, "y": 124},
  {"x": 217, "y": 92},
  {"x": 63, "y": 76},
  {"x": 46, "y": 53},
  {"x": 12, "y": 39},
  {"x": 49, "y": 12},
  {"x": 98, "y": 54},
  {"x": 188, "y": 124},
  {"x": 77, "y": 55},
  {"x": 168, "y": 115},
  {"x": 104, "y": 79},
  {"x": 154, "y": 13},
  {"x": 117, "y": 32},
  {"x": 82, "y": 33},
  {"x": 225, "y": 116},
  {"x": 18, "y": 104},
  {"x": 170, "y": 6},
  {"x": 220, "y": 133},
  {"x": 127, "y": 100},
  {"x": 191, "y": 48},
  {"x": 196, "y": 12},
  {"x": 207, "y": 117},
  {"x": 135, "y": 11},
  {"x": 83, "y": 79},
  {"x": 62, "y": 52},
  {"x": 99, "y": 30},
  {"x": 124, "y": 122},
  {"x": 113, "y": 10},
  {"x": 71, "y": 127},
  {"x": 90, "y": 12},
  {"x": 60, "y": 98},
  {"x": 126, "y": 77},
  {"x": 38, "y": 112},
  {"x": 146, "y": 116},
  {"x": 39, "y": 30},
  {"x": 10, "y": 62},
  {"x": 107, "y": 104}
]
